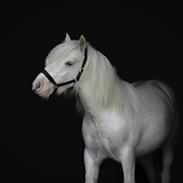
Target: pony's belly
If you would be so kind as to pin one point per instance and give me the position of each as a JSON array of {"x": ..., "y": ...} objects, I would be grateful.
[{"x": 151, "y": 139}]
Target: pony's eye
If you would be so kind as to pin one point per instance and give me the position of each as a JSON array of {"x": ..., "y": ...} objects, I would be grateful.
[{"x": 69, "y": 63}]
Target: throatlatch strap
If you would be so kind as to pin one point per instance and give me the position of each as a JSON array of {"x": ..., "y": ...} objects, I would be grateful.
[{"x": 83, "y": 64}]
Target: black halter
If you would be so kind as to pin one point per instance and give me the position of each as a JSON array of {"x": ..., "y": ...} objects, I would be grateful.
[{"x": 71, "y": 81}]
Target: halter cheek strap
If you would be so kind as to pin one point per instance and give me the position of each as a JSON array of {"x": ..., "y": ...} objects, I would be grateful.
[{"x": 71, "y": 81}]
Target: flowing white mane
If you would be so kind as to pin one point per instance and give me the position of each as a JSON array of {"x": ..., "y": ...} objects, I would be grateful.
[{"x": 108, "y": 89}]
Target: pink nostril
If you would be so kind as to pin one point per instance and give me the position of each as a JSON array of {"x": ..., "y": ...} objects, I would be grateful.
[{"x": 38, "y": 86}]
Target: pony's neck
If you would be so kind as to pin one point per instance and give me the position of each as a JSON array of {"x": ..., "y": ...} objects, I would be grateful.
[{"x": 99, "y": 87}]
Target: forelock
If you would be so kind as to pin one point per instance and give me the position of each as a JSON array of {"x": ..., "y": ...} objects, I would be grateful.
[{"x": 61, "y": 49}]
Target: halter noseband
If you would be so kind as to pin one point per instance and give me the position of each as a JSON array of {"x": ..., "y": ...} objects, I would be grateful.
[{"x": 71, "y": 81}]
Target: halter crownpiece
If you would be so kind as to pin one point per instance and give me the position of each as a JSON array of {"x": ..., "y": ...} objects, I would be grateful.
[{"x": 71, "y": 81}]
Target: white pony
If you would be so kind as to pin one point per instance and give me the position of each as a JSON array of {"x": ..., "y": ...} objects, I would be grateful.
[{"x": 121, "y": 121}]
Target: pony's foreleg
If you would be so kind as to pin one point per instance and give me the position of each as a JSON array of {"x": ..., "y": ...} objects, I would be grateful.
[
  {"x": 128, "y": 165},
  {"x": 167, "y": 158},
  {"x": 92, "y": 164}
]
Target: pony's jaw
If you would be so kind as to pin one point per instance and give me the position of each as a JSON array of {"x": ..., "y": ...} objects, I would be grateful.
[{"x": 42, "y": 86}]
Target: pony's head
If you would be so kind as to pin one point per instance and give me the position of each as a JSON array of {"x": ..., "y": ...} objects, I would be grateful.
[{"x": 63, "y": 64}]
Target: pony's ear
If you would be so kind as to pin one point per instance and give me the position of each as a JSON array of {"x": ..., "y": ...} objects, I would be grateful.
[
  {"x": 67, "y": 38},
  {"x": 82, "y": 42}
]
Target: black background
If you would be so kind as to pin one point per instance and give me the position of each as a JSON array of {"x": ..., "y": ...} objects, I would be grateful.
[{"x": 41, "y": 140}]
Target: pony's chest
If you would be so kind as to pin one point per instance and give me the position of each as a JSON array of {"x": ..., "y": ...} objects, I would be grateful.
[{"x": 106, "y": 135}]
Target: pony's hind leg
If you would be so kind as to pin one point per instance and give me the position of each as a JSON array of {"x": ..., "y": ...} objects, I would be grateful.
[
  {"x": 168, "y": 154},
  {"x": 148, "y": 164},
  {"x": 167, "y": 159}
]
